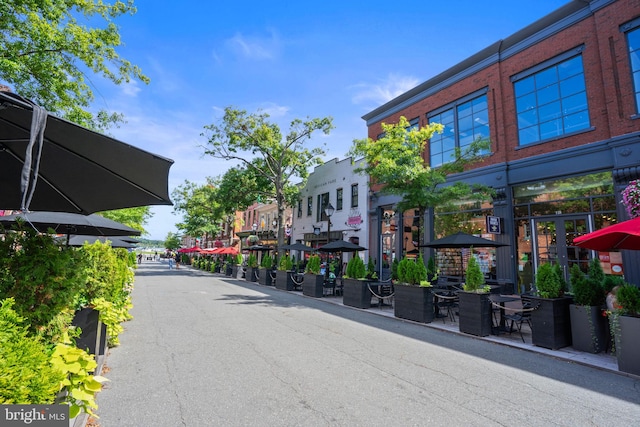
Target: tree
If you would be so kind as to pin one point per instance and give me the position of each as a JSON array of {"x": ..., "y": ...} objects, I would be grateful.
[
  {"x": 131, "y": 217},
  {"x": 172, "y": 241},
  {"x": 199, "y": 206},
  {"x": 46, "y": 49},
  {"x": 259, "y": 145},
  {"x": 396, "y": 162}
]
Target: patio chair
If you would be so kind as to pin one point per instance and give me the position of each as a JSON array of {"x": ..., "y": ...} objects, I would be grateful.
[
  {"x": 447, "y": 304},
  {"x": 329, "y": 286},
  {"x": 520, "y": 316}
]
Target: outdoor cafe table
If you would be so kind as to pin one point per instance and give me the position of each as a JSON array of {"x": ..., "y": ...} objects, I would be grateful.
[{"x": 501, "y": 300}]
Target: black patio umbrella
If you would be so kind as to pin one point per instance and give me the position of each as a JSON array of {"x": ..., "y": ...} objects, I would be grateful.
[
  {"x": 298, "y": 247},
  {"x": 341, "y": 246},
  {"x": 51, "y": 164},
  {"x": 462, "y": 240},
  {"x": 116, "y": 242},
  {"x": 68, "y": 223},
  {"x": 259, "y": 248}
]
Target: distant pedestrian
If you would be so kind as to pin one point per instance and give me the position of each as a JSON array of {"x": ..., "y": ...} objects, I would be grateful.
[
  {"x": 139, "y": 258},
  {"x": 177, "y": 260},
  {"x": 170, "y": 261},
  {"x": 155, "y": 257}
]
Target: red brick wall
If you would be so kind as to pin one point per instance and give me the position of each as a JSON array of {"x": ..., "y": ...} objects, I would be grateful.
[{"x": 608, "y": 79}]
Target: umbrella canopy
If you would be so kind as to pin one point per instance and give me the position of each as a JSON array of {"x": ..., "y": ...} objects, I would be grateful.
[
  {"x": 341, "y": 246},
  {"x": 623, "y": 235},
  {"x": 462, "y": 240},
  {"x": 228, "y": 251},
  {"x": 69, "y": 223},
  {"x": 259, "y": 248},
  {"x": 74, "y": 169},
  {"x": 116, "y": 242},
  {"x": 298, "y": 247}
]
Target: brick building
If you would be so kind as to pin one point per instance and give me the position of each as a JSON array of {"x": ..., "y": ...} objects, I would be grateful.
[{"x": 560, "y": 102}]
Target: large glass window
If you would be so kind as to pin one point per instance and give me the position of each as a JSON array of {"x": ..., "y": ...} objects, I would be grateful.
[
  {"x": 309, "y": 206},
  {"x": 465, "y": 121},
  {"x": 339, "y": 199},
  {"x": 551, "y": 102},
  {"x": 633, "y": 42}
]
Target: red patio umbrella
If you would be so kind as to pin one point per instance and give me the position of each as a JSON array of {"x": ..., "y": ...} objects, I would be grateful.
[
  {"x": 228, "y": 251},
  {"x": 623, "y": 235}
]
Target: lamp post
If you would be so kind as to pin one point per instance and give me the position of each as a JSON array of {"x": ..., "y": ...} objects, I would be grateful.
[{"x": 328, "y": 211}]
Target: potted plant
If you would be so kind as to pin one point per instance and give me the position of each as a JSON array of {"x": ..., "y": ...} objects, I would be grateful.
[
  {"x": 626, "y": 328},
  {"x": 252, "y": 268},
  {"x": 413, "y": 298},
  {"x": 284, "y": 278},
  {"x": 474, "y": 304},
  {"x": 264, "y": 272},
  {"x": 313, "y": 280},
  {"x": 550, "y": 321},
  {"x": 588, "y": 325},
  {"x": 356, "y": 291}
]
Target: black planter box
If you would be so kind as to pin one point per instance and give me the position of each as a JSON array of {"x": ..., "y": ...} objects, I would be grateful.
[
  {"x": 93, "y": 338},
  {"x": 251, "y": 274},
  {"x": 356, "y": 293},
  {"x": 284, "y": 280},
  {"x": 229, "y": 270},
  {"x": 413, "y": 303},
  {"x": 312, "y": 285},
  {"x": 589, "y": 331},
  {"x": 264, "y": 277},
  {"x": 628, "y": 344},
  {"x": 551, "y": 322},
  {"x": 475, "y": 313}
]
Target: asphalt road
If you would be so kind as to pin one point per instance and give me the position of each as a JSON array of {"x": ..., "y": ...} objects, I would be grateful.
[{"x": 204, "y": 350}]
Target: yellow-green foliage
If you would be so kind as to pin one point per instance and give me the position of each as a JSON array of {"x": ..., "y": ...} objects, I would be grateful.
[
  {"x": 43, "y": 278},
  {"x": 474, "y": 278},
  {"x": 26, "y": 376},
  {"x": 80, "y": 384},
  {"x": 112, "y": 316}
]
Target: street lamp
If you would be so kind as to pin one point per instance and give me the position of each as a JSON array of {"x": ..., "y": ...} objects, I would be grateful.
[{"x": 328, "y": 211}]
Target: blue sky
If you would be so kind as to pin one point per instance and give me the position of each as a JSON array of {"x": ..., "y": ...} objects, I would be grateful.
[{"x": 289, "y": 59}]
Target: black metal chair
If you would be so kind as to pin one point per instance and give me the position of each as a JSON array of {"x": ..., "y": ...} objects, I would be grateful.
[
  {"x": 447, "y": 303},
  {"x": 520, "y": 316},
  {"x": 329, "y": 286}
]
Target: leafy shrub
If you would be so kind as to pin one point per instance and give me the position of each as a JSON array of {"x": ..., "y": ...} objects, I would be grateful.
[
  {"x": 474, "y": 279},
  {"x": 394, "y": 269},
  {"x": 313, "y": 266},
  {"x": 371, "y": 270},
  {"x": 588, "y": 291},
  {"x": 628, "y": 297},
  {"x": 26, "y": 375},
  {"x": 252, "y": 261},
  {"x": 286, "y": 263},
  {"x": 267, "y": 261},
  {"x": 356, "y": 268},
  {"x": 43, "y": 278},
  {"x": 547, "y": 282}
]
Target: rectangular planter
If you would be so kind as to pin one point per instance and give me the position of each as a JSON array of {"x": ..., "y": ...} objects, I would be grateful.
[
  {"x": 413, "y": 303},
  {"x": 589, "y": 331},
  {"x": 284, "y": 280},
  {"x": 93, "y": 337},
  {"x": 264, "y": 277},
  {"x": 475, "y": 313},
  {"x": 551, "y": 322},
  {"x": 251, "y": 274},
  {"x": 356, "y": 293},
  {"x": 628, "y": 344},
  {"x": 312, "y": 285}
]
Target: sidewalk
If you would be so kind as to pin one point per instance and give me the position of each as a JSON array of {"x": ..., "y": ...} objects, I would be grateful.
[{"x": 604, "y": 361}]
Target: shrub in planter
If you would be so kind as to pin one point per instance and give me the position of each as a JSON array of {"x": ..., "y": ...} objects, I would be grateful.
[
  {"x": 413, "y": 294},
  {"x": 313, "y": 280},
  {"x": 588, "y": 326},
  {"x": 355, "y": 268},
  {"x": 26, "y": 374},
  {"x": 474, "y": 304},
  {"x": 551, "y": 321},
  {"x": 626, "y": 327},
  {"x": 43, "y": 279}
]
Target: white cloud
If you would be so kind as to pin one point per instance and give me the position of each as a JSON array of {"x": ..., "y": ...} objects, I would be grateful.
[
  {"x": 383, "y": 91},
  {"x": 255, "y": 48}
]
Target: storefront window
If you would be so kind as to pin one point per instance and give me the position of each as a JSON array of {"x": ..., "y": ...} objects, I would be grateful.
[{"x": 550, "y": 214}]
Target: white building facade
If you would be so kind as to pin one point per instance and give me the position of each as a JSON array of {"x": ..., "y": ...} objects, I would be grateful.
[{"x": 334, "y": 182}]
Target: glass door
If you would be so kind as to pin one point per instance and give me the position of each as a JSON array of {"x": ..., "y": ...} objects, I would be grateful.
[{"x": 554, "y": 242}]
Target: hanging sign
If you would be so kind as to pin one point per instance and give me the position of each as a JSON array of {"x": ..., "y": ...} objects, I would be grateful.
[{"x": 494, "y": 225}]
